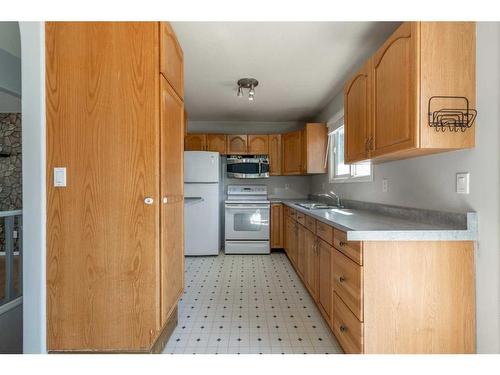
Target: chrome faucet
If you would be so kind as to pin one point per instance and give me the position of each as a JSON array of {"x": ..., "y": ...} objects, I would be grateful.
[{"x": 332, "y": 195}]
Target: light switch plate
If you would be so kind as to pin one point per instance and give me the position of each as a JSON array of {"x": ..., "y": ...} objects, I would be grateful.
[
  {"x": 462, "y": 184},
  {"x": 385, "y": 185},
  {"x": 59, "y": 177}
]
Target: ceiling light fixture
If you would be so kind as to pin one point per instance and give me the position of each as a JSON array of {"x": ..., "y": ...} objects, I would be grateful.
[{"x": 247, "y": 83}]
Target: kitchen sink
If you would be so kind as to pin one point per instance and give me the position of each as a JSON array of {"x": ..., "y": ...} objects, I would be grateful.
[{"x": 316, "y": 206}]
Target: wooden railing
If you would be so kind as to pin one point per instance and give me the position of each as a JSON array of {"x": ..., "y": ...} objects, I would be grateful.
[{"x": 11, "y": 256}]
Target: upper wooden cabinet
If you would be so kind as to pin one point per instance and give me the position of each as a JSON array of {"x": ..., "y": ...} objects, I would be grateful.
[
  {"x": 395, "y": 92},
  {"x": 304, "y": 151},
  {"x": 258, "y": 144},
  {"x": 357, "y": 114},
  {"x": 171, "y": 58},
  {"x": 195, "y": 142},
  {"x": 236, "y": 144},
  {"x": 418, "y": 61},
  {"x": 216, "y": 143},
  {"x": 275, "y": 154},
  {"x": 314, "y": 143},
  {"x": 292, "y": 149}
]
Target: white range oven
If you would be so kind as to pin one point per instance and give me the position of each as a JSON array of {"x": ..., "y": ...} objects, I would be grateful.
[{"x": 247, "y": 211}]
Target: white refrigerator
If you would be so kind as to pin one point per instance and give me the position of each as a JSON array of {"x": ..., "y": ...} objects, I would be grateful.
[{"x": 201, "y": 203}]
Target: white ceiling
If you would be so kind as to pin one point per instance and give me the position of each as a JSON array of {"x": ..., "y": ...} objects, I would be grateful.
[{"x": 300, "y": 66}]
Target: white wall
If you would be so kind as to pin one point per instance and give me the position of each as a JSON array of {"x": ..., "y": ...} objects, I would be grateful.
[
  {"x": 33, "y": 120},
  {"x": 429, "y": 182}
]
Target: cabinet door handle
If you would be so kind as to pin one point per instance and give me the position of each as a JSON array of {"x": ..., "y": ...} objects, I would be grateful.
[
  {"x": 341, "y": 279},
  {"x": 148, "y": 201},
  {"x": 165, "y": 200},
  {"x": 342, "y": 243},
  {"x": 343, "y": 328}
]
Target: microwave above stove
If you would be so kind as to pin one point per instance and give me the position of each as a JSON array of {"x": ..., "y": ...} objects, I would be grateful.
[{"x": 247, "y": 166}]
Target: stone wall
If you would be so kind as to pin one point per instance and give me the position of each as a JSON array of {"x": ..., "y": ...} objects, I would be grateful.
[
  {"x": 10, "y": 169},
  {"x": 10, "y": 162}
]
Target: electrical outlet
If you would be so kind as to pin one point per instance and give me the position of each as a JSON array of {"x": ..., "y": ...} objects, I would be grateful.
[
  {"x": 462, "y": 184},
  {"x": 287, "y": 186},
  {"x": 14, "y": 234},
  {"x": 385, "y": 185}
]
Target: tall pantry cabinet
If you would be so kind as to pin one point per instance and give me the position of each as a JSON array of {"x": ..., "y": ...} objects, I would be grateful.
[{"x": 114, "y": 94}]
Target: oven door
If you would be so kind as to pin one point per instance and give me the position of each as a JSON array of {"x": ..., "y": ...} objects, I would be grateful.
[{"x": 246, "y": 221}]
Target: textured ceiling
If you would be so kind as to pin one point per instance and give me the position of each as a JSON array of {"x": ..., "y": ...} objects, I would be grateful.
[{"x": 300, "y": 65}]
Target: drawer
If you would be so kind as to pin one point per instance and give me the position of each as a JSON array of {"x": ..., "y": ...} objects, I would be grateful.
[
  {"x": 352, "y": 249},
  {"x": 348, "y": 282},
  {"x": 310, "y": 223},
  {"x": 347, "y": 329},
  {"x": 325, "y": 232},
  {"x": 293, "y": 214},
  {"x": 301, "y": 218},
  {"x": 286, "y": 210}
]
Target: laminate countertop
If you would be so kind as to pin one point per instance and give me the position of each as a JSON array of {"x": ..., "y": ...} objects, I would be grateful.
[{"x": 363, "y": 224}]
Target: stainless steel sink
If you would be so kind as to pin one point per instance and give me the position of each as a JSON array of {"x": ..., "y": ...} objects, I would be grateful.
[{"x": 316, "y": 206}]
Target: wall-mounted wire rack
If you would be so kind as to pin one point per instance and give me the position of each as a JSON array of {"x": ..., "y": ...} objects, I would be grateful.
[{"x": 449, "y": 118}]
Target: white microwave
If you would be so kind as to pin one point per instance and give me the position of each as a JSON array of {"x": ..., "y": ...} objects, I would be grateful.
[{"x": 247, "y": 166}]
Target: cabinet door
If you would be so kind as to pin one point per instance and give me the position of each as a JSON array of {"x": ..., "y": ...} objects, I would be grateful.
[
  {"x": 276, "y": 226},
  {"x": 236, "y": 144},
  {"x": 312, "y": 273},
  {"x": 275, "y": 154},
  {"x": 258, "y": 144},
  {"x": 195, "y": 142},
  {"x": 301, "y": 250},
  {"x": 314, "y": 144},
  {"x": 172, "y": 201},
  {"x": 102, "y": 239},
  {"x": 357, "y": 98},
  {"x": 171, "y": 58},
  {"x": 395, "y": 99},
  {"x": 325, "y": 292},
  {"x": 292, "y": 150},
  {"x": 216, "y": 143}
]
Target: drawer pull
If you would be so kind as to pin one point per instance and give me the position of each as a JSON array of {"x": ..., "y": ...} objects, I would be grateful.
[
  {"x": 342, "y": 243},
  {"x": 343, "y": 328},
  {"x": 341, "y": 279}
]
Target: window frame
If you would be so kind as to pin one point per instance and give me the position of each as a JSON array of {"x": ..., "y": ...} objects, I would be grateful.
[{"x": 332, "y": 158}]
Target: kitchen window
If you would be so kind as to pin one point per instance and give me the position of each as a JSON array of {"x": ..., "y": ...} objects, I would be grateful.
[{"x": 339, "y": 171}]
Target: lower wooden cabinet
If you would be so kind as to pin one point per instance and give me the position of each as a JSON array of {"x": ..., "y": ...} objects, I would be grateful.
[
  {"x": 325, "y": 290},
  {"x": 386, "y": 296},
  {"x": 276, "y": 231}
]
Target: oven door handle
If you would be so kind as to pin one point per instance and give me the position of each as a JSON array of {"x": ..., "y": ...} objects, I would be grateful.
[{"x": 249, "y": 207}]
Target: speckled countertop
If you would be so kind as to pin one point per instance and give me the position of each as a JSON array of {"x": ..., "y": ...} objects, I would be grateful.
[{"x": 370, "y": 225}]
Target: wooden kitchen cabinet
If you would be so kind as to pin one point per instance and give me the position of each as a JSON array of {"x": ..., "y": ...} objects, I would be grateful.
[
  {"x": 301, "y": 250},
  {"x": 216, "y": 143},
  {"x": 195, "y": 142},
  {"x": 258, "y": 144},
  {"x": 325, "y": 289},
  {"x": 171, "y": 58},
  {"x": 418, "y": 61},
  {"x": 172, "y": 211},
  {"x": 395, "y": 92},
  {"x": 312, "y": 264},
  {"x": 304, "y": 151},
  {"x": 277, "y": 226},
  {"x": 357, "y": 114},
  {"x": 292, "y": 150},
  {"x": 314, "y": 145},
  {"x": 236, "y": 144},
  {"x": 274, "y": 154},
  {"x": 386, "y": 296},
  {"x": 114, "y": 249}
]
